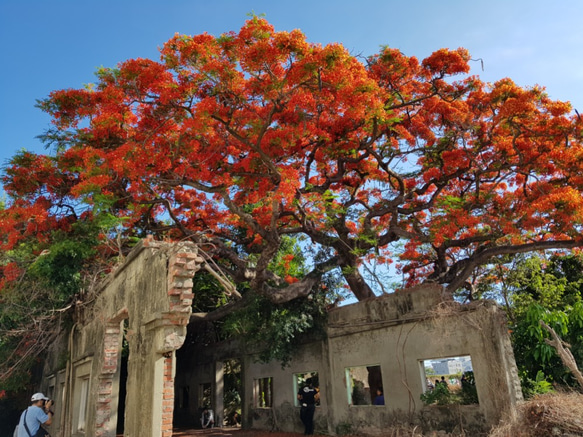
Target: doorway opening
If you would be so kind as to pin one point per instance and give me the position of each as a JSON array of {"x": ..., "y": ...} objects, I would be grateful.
[
  {"x": 232, "y": 392},
  {"x": 123, "y": 379}
]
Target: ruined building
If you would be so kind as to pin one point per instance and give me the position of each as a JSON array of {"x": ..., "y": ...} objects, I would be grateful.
[{"x": 389, "y": 342}]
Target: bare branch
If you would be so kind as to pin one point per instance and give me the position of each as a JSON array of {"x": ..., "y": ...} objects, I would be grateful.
[{"x": 564, "y": 353}]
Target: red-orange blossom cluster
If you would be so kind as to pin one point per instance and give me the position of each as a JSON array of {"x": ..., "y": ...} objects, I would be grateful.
[{"x": 250, "y": 136}]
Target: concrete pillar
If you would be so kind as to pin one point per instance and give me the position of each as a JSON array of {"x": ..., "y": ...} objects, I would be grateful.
[
  {"x": 246, "y": 393},
  {"x": 219, "y": 393},
  {"x": 157, "y": 397}
]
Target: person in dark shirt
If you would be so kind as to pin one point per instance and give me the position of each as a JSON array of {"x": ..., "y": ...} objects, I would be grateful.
[
  {"x": 444, "y": 382},
  {"x": 380, "y": 398},
  {"x": 308, "y": 396}
]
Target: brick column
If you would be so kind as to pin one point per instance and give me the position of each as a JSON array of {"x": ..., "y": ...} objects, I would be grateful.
[
  {"x": 168, "y": 396},
  {"x": 172, "y": 326},
  {"x": 181, "y": 269},
  {"x": 103, "y": 428}
]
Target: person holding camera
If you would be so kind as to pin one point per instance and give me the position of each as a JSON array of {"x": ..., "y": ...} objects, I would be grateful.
[{"x": 39, "y": 413}]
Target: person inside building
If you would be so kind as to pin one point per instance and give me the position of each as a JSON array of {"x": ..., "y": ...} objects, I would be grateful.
[
  {"x": 444, "y": 382},
  {"x": 429, "y": 384},
  {"x": 380, "y": 398},
  {"x": 207, "y": 419},
  {"x": 308, "y": 396},
  {"x": 39, "y": 413},
  {"x": 464, "y": 381}
]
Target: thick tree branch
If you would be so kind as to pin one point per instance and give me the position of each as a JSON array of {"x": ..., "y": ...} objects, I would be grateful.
[
  {"x": 221, "y": 312},
  {"x": 301, "y": 288},
  {"x": 463, "y": 269}
]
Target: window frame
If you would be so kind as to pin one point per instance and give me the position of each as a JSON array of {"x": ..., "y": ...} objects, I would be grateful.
[
  {"x": 349, "y": 378},
  {"x": 81, "y": 395},
  {"x": 83, "y": 403}
]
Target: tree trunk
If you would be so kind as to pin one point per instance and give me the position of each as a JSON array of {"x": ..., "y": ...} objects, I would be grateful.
[{"x": 357, "y": 284}]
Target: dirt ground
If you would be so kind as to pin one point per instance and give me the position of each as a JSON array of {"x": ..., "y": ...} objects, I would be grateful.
[
  {"x": 238, "y": 432},
  {"x": 228, "y": 432},
  {"x": 557, "y": 413},
  {"x": 218, "y": 432},
  {"x": 231, "y": 432}
]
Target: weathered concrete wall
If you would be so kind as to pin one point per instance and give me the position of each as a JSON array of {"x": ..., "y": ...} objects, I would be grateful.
[
  {"x": 312, "y": 358},
  {"x": 396, "y": 332},
  {"x": 153, "y": 291},
  {"x": 400, "y": 331}
]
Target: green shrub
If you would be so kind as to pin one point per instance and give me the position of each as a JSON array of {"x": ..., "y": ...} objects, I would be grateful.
[
  {"x": 538, "y": 386},
  {"x": 440, "y": 395},
  {"x": 469, "y": 393}
]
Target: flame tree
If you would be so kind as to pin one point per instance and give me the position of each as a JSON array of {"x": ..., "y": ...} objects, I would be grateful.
[{"x": 240, "y": 141}]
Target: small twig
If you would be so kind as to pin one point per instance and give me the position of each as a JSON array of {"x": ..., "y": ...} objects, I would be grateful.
[{"x": 481, "y": 62}]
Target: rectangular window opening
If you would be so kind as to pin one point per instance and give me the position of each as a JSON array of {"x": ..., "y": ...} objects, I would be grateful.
[
  {"x": 263, "y": 389},
  {"x": 204, "y": 395},
  {"x": 448, "y": 377},
  {"x": 364, "y": 385}
]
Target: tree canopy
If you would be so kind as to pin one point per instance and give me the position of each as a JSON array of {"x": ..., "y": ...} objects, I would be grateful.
[{"x": 240, "y": 140}]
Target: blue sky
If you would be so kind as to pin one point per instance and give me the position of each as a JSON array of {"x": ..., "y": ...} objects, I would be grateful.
[{"x": 56, "y": 44}]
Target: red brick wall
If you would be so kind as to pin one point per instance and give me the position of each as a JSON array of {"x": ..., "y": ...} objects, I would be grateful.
[
  {"x": 104, "y": 389},
  {"x": 168, "y": 397}
]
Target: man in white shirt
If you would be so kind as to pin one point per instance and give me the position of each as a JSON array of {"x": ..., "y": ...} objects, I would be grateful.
[{"x": 207, "y": 419}]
